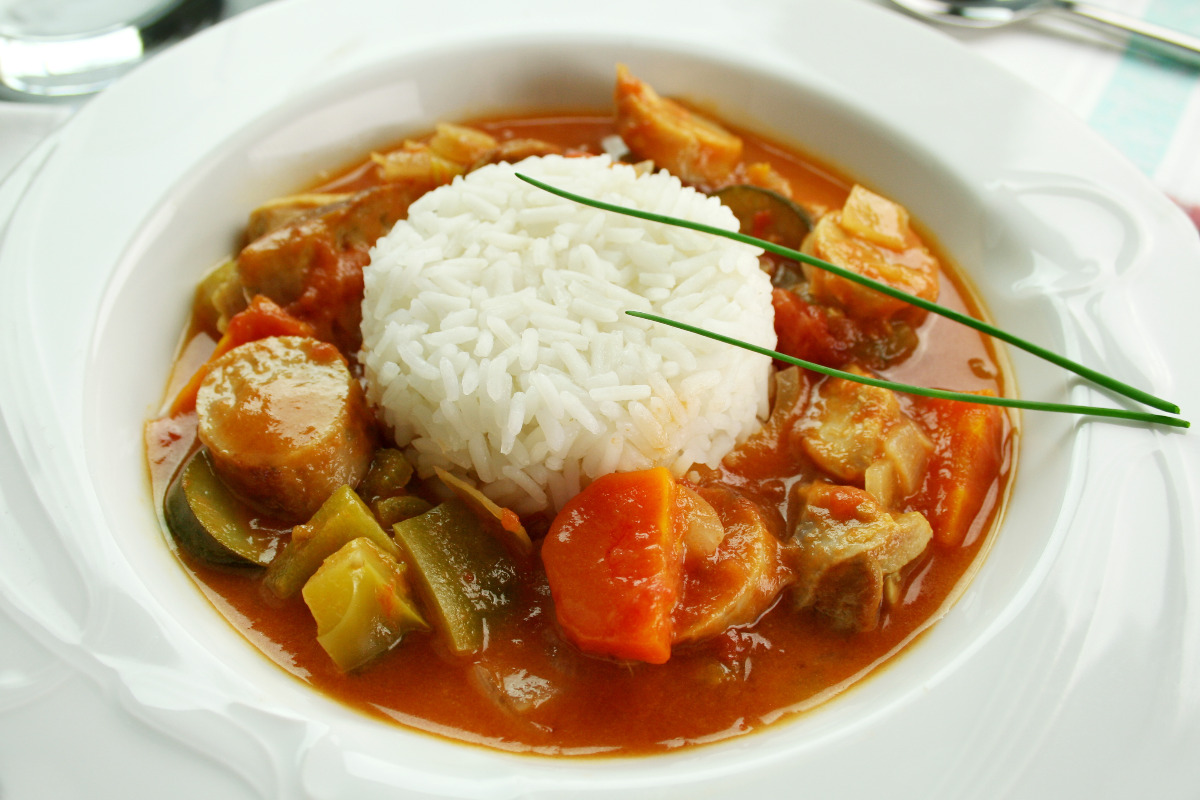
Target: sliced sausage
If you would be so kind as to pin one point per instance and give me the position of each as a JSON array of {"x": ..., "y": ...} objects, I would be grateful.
[
  {"x": 286, "y": 424},
  {"x": 313, "y": 265},
  {"x": 737, "y": 582}
]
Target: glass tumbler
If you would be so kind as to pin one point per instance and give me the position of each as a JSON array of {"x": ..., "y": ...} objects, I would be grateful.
[{"x": 66, "y": 48}]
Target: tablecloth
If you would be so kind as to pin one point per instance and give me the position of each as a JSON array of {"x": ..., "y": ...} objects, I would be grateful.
[{"x": 1147, "y": 107}]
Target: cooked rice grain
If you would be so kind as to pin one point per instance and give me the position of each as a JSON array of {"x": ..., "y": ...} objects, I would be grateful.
[{"x": 495, "y": 339}]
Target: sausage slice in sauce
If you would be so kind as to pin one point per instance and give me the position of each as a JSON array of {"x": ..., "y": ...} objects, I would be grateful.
[{"x": 286, "y": 424}]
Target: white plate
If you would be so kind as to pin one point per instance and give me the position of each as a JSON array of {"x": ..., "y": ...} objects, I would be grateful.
[{"x": 1071, "y": 667}]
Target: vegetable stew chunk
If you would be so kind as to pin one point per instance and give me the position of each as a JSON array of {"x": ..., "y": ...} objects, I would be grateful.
[
  {"x": 689, "y": 146},
  {"x": 847, "y": 548},
  {"x": 859, "y": 434},
  {"x": 614, "y": 560},
  {"x": 971, "y": 444},
  {"x": 361, "y": 602},
  {"x": 286, "y": 424},
  {"x": 871, "y": 236},
  {"x": 340, "y": 520},
  {"x": 313, "y": 266},
  {"x": 463, "y": 573}
]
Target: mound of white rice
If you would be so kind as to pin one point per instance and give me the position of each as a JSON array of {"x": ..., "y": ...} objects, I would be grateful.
[{"x": 495, "y": 338}]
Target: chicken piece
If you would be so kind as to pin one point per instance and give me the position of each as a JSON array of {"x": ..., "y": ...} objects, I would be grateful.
[
  {"x": 859, "y": 434},
  {"x": 689, "y": 146},
  {"x": 286, "y": 424},
  {"x": 871, "y": 236},
  {"x": 313, "y": 267},
  {"x": 846, "y": 548},
  {"x": 735, "y": 583},
  {"x": 282, "y": 211}
]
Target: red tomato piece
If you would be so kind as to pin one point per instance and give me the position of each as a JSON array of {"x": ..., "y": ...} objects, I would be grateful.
[{"x": 807, "y": 331}]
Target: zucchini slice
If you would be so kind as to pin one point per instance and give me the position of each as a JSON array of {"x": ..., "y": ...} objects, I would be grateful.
[
  {"x": 361, "y": 602},
  {"x": 766, "y": 214},
  {"x": 210, "y": 522},
  {"x": 391, "y": 510},
  {"x": 464, "y": 574},
  {"x": 340, "y": 519}
]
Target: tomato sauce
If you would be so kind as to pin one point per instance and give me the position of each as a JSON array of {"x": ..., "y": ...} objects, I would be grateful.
[{"x": 532, "y": 691}]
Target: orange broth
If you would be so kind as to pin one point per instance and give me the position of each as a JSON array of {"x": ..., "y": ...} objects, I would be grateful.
[{"x": 562, "y": 701}]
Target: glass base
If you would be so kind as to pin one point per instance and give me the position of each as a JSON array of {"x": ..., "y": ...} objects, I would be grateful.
[{"x": 37, "y": 59}]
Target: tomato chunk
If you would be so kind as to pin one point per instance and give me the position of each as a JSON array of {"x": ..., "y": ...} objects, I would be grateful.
[
  {"x": 260, "y": 319},
  {"x": 614, "y": 560},
  {"x": 809, "y": 332}
]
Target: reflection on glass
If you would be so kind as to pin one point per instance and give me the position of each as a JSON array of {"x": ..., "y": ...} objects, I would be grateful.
[{"x": 57, "y": 48}]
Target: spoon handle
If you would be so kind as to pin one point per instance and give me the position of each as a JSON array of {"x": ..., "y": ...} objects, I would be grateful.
[{"x": 1176, "y": 41}]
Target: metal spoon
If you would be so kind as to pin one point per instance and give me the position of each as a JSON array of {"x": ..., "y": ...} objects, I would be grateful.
[{"x": 993, "y": 13}]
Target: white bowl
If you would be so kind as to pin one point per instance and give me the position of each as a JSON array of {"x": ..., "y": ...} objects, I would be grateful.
[{"x": 1067, "y": 244}]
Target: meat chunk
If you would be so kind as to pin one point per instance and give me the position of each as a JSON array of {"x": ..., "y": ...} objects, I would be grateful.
[
  {"x": 286, "y": 424},
  {"x": 283, "y": 211},
  {"x": 871, "y": 236},
  {"x": 739, "y": 580},
  {"x": 689, "y": 146},
  {"x": 859, "y": 434},
  {"x": 277, "y": 264},
  {"x": 313, "y": 266},
  {"x": 846, "y": 548}
]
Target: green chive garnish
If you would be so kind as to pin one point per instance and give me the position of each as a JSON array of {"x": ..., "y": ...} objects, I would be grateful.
[
  {"x": 1092, "y": 375},
  {"x": 945, "y": 394}
]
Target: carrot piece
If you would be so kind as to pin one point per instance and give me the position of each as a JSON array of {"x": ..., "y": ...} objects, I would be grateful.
[
  {"x": 262, "y": 318},
  {"x": 969, "y": 454},
  {"x": 614, "y": 559}
]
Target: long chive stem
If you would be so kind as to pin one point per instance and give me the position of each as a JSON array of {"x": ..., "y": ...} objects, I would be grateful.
[
  {"x": 1034, "y": 405},
  {"x": 1098, "y": 378}
]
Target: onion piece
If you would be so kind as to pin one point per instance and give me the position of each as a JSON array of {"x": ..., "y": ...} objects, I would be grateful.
[
  {"x": 702, "y": 528},
  {"x": 503, "y": 523}
]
